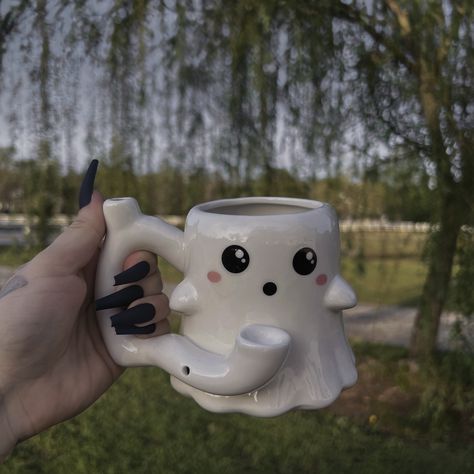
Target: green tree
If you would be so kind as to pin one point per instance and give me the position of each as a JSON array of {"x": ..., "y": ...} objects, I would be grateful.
[
  {"x": 9, "y": 181},
  {"x": 281, "y": 183},
  {"x": 407, "y": 194},
  {"x": 171, "y": 190},
  {"x": 415, "y": 64}
]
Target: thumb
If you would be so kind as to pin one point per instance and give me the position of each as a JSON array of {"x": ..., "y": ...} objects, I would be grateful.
[{"x": 76, "y": 246}]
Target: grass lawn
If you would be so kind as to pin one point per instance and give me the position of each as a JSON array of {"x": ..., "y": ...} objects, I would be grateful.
[
  {"x": 384, "y": 267},
  {"x": 15, "y": 256},
  {"x": 385, "y": 281},
  {"x": 382, "y": 244},
  {"x": 141, "y": 425}
]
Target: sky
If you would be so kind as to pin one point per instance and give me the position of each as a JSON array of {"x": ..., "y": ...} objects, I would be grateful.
[{"x": 81, "y": 107}]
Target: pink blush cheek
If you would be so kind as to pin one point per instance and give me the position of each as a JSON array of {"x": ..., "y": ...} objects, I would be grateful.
[
  {"x": 214, "y": 277},
  {"x": 321, "y": 279}
]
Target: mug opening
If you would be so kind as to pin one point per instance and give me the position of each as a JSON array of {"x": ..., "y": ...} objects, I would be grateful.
[{"x": 260, "y": 207}]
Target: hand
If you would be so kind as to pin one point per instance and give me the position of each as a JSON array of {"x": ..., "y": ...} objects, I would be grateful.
[{"x": 53, "y": 362}]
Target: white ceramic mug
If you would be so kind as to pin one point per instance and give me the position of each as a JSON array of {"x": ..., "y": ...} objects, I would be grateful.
[{"x": 261, "y": 299}]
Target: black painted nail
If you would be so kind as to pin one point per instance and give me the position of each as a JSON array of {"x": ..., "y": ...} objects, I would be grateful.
[
  {"x": 132, "y": 274},
  {"x": 87, "y": 185},
  {"x": 139, "y": 314},
  {"x": 122, "y": 330},
  {"x": 123, "y": 297}
]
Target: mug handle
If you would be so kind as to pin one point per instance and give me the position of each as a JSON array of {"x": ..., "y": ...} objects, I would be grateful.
[{"x": 258, "y": 353}]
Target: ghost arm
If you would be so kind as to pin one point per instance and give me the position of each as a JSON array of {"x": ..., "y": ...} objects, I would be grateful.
[{"x": 339, "y": 295}]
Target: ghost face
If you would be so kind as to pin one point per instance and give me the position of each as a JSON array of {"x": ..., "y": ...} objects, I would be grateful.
[{"x": 274, "y": 263}]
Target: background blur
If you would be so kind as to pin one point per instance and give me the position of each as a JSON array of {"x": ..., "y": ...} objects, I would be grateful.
[{"x": 368, "y": 105}]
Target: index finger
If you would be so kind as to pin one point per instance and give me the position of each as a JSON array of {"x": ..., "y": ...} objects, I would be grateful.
[{"x": 137, "y": 266}]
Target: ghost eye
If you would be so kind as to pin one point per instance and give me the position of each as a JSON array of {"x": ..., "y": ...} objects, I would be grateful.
[
  {"x": 235, "y": 259},
  {"x": 304, "y": 261}
]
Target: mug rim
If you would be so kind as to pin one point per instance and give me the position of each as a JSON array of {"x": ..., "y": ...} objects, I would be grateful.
[{"x": 304, "y": 205}]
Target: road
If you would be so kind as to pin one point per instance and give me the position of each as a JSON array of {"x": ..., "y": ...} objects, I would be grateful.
[
  {"x": 383, "y": 324},
  {"x": 393, "y": 325}
]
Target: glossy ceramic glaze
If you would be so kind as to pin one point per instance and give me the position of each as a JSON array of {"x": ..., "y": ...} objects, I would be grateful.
[{"x": 258, "y": 336}]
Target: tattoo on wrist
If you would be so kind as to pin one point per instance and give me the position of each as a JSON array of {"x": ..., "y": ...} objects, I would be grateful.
[{"x": 15, "y": 282}]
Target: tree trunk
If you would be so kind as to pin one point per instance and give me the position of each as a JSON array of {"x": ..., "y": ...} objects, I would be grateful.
[
  {"x": 442, "y": 249},
  {"x": 442, "y": 245}
]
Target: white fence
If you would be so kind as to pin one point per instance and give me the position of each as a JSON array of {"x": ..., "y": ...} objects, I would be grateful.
[
  {"x": 15, "y": 228},
  {"x": 382, "y": 225},
  {"x": 354, "y": 225}
]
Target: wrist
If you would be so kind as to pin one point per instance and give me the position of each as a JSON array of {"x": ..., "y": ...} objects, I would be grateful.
[{"x": 8, "y": 439}]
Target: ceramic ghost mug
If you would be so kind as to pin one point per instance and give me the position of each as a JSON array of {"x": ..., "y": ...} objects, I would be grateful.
[{"x": 261, "y": 331}]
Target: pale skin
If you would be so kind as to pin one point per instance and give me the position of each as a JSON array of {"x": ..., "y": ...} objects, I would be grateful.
[{"x": 53, "y": 361}]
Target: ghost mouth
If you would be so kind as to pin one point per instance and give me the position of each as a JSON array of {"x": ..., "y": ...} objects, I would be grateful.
[{"x": 269, "y": 288}]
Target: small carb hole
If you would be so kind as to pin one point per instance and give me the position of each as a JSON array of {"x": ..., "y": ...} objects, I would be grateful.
[{"x": 186, "y": 370}]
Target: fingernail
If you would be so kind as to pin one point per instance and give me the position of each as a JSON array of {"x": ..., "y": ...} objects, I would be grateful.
[
  {"x": 123, "y": 297},
  {"x": 139, "y": 314},
  {"x": 87, "y": 185},
  {"x": 132, "y": 274},
  {"x": 122, "y": 330}
]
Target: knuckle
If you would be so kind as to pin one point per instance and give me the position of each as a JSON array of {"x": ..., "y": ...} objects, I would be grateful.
[{"x": 80, "y": 223}]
